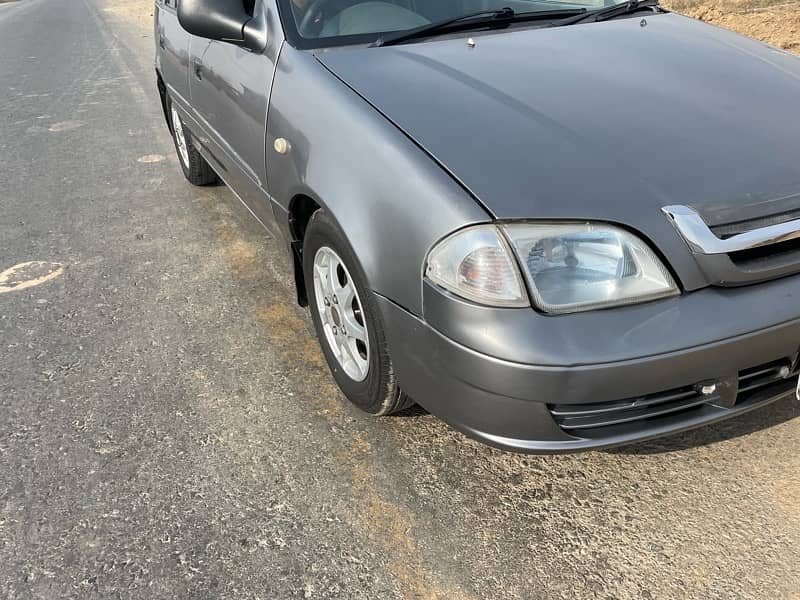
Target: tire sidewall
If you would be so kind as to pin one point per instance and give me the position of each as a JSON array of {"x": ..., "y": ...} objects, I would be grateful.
[{"x": 376, "y": 390}]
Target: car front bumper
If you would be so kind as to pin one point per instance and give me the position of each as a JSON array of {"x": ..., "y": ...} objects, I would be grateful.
[{"x": 609, "y": 401}]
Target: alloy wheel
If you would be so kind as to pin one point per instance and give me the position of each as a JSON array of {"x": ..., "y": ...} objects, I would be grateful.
[
  {"x": 340, "y": 313},
  {"x": 180, "y": 138}
]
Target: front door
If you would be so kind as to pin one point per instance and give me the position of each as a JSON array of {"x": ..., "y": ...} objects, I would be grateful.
[
  {"x": 230, "y": 89},
  {"x": 172, "y": 54}
]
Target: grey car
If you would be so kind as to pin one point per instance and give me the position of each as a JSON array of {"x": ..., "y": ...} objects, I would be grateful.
[{"x": 555, "y": 225}]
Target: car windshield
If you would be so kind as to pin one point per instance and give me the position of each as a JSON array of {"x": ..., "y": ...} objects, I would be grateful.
[{"x": 320, "y": 23}]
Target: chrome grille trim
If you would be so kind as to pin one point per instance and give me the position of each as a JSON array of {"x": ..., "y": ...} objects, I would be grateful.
[{"x": 702, "y": 240}]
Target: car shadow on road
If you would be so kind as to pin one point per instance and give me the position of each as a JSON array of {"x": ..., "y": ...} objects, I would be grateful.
[
  {"x": 415, "y": 410},
  {"x": 752, "y": 422}
]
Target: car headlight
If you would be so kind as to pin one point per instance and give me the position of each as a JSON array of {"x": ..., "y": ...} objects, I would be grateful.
[
  {"x": 569, "y": 267},
  {"x": 476, "y": 263},
  {"x": 573, "y": 267}
]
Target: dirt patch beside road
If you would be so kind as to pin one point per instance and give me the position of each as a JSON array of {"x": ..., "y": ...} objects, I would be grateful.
[
  {"x": 777, "y": 23},
  {"x": 137, "y": 12}
]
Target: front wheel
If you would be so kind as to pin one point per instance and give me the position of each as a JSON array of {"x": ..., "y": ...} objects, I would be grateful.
[{"x": 347, "y": 320}]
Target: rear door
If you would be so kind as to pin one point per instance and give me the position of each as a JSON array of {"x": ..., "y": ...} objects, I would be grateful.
[
  {"x": 230, "y": 89},
  {"x": 172, "y": 53}
]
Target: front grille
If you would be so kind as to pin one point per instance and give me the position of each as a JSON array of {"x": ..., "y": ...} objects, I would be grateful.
[
  {"x": 764, "y": 257},
  {"x": 737, "y": 247},
  {"x": 727, "y": 230},
  {"x": 772, "y": 256},
  {"x": 583, "y": 417}
]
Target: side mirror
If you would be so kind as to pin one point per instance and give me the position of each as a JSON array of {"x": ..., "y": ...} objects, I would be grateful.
[{"x": 223, "y": 20}]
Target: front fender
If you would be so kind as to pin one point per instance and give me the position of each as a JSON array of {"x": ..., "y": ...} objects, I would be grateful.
[{"x": 391, "y": 199}]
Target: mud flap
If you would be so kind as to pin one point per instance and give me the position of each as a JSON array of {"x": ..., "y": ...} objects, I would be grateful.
[{"x": 299, "y": 280}]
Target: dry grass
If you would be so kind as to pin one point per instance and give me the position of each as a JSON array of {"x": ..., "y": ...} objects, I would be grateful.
[{"x": 776, "y": 22}]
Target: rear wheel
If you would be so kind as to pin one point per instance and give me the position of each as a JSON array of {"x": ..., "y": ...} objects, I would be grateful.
[
  {"x": 347, "y": 320},
  {"x": 193, "y": 165}
]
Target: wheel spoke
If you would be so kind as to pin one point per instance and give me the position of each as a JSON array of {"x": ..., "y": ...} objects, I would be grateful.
[
  {"x": 333, "y": 276},
  {"x": 353, "y": 327},
  {"x": 321, "y": 272},
  {"x": 361, "y": 364},
  {"x": 346, "y": 352},
  {"x": 345, "y": 297}
]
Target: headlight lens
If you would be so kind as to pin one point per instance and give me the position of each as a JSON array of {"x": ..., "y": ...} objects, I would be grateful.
[
  {"x": 476, "y": 263},
  {"x": 585, "y": 266}
]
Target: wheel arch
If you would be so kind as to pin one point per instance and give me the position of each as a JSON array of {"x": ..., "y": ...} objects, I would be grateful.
[
  {"x": 162, "y": 93},
  {"x": 301, "y": 208}
]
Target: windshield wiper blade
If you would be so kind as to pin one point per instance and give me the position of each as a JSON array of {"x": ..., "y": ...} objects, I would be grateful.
[
  {"x": 486, "y": 18},
  {"x": 609, "y": 12}
]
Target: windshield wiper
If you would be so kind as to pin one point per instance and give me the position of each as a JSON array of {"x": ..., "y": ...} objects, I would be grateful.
[
  {"x": 486, "y": 18},
  {"x": 609, "y": 12}
]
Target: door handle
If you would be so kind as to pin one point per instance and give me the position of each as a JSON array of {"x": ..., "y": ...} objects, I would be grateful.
[
  {"x": 161, "y": 42},
  {"x": 197, "y": 69}
]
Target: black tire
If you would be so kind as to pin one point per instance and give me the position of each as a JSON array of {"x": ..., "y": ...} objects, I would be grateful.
[
  {"x": 379, "y": 393},
  {"x": 196, "y": 170}
]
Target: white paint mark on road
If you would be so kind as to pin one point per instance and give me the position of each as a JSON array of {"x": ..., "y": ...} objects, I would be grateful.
[
  {"x": 66, "y": 126},
  {"x": 43, "y": 117},
  {"x": 28, "y": 274},
  {"x": 151, "y": 158}
]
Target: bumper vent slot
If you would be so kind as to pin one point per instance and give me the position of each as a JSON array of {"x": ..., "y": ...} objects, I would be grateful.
[{"x": 577, "y": 417}]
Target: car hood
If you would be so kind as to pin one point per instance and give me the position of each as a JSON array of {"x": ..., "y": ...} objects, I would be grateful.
[{"x": 608, "y": 121}]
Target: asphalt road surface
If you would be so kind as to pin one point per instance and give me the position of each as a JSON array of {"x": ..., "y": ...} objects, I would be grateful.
[{"x": 168, "y": 428}]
